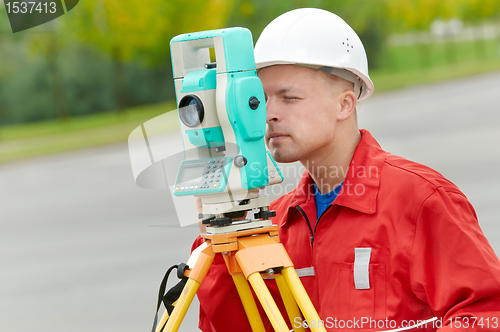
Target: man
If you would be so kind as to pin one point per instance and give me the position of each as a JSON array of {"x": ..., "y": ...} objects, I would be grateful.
[{"x": 380, "y": 243}]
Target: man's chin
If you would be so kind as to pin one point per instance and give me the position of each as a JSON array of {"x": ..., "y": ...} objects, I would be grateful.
[{"x": 282, "y": 157}]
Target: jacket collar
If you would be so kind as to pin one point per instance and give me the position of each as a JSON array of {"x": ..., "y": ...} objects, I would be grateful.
[{"x": 362, "y": 179}]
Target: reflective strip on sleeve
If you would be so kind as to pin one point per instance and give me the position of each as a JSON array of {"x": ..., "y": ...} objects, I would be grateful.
[
  {"x": 361, "y": 264},
  {"x": 305, "y": 272}
]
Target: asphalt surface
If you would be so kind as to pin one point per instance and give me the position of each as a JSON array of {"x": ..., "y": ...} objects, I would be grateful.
[{"x": 82, "y": 248}]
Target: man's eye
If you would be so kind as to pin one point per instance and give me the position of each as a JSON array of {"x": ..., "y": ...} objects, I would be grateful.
[{"x": 291, "y": 98}]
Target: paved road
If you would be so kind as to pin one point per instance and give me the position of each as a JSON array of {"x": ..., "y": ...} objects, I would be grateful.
[{"x": 83, "y": 249}]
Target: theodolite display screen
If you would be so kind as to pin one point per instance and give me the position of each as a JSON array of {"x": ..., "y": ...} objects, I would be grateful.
[
  {"x": 192, "y": 174},
  {"x": 202, "y": 176}
]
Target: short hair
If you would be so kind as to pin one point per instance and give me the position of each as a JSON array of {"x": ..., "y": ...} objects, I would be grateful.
[{"x": 336, "y": 82}]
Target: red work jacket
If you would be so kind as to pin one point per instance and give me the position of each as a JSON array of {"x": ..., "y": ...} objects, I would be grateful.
[{"x": 427, "y": 256}]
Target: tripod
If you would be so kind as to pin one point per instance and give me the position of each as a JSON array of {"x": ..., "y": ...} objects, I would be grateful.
[{"x": 247, "y": 254}]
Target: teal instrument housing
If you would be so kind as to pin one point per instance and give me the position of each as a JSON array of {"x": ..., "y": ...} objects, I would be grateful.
[
  {"x": 275, "y": 165},
  {"x": 237, "y": 44},
  {"x": 206, "y": 137},
  {"x": 235, "y": 66},
  {"x": 249, "y": 126},
  {"x": 199, "y": 80}
]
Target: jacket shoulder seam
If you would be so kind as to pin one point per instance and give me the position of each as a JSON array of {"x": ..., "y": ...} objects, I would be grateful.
[
  {"x": 432, "y": 183},
  {"x": 414, "y": 236},
  {"x": 414, "y": 173}
]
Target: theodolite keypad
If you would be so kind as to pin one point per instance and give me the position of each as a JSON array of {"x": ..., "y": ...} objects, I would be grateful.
[{"x": 211, "y": 171}]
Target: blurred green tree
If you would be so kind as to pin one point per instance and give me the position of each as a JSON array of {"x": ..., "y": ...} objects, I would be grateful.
[
  {"x": 138, "y": 31},
  {"x": 408, "y": 15},
  {"x": 141, "y": 31}
]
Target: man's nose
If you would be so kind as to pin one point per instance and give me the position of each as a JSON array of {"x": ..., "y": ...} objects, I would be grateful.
[{"x": 273, "y": 114}]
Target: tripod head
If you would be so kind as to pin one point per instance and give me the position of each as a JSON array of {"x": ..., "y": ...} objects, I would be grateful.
[{"x": 222, "y": 116}]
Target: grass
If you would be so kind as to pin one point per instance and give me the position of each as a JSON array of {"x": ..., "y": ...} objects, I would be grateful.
[
  {"x": 418, "y": 64},
  {"x": 390, "y": 80},
  {"x": 402, "y": 66}
]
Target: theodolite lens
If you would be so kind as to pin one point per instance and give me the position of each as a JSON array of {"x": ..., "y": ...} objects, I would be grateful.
[{"x": 191, "y": 116}]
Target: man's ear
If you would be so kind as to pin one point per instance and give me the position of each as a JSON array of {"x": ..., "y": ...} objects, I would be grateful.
[{"x": 347, "y": 105}]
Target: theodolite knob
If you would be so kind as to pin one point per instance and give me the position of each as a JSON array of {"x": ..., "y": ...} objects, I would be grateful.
[
  {"x": 240, "y": 161},
  {"x": 206, "y": 221},
  {"x": 253, "y": 103},
  {"x": 264, "y": 214}
]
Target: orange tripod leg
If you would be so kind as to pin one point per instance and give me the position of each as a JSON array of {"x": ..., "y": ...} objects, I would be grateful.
[
  {"x": 196, "y": 276},
  {"x": 290, "y": 305},
  {"x": 300, "y": 295},
  {"x": 248, "y": 303},
  {"x": 181, "y": 307},
  {"x": 267, "y": 301}
]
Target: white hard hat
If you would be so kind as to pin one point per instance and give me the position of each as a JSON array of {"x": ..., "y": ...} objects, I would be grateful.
[{"x": 319, "y": 39}]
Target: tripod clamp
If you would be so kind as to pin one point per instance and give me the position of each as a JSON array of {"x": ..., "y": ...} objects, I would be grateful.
[
  {"x": 224, "y": 214},
  {"x": 223, "y": 220},
  {"x": 264, "y": 214},
  {"x": 213, "y": 221}
]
